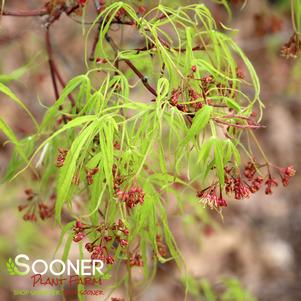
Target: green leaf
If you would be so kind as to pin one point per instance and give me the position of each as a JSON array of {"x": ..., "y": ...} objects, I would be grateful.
[
  {"x": 233, "y": 104},
  {"x": 72, "y": 84},
  {"x": 12, "y": 269},
  {"x": 71, "y": 124},
  {"x": 10, "y": 265},
  {"x": 207, "y": 290},
  {"x": 67, "y": 246},
  {"x": 68, "y": 171},
  {"x": 200, "y": 120},
  {"x": 18, "y": 160},
  {"x": 64, "y": 230},
  {"x": 235, "y": 153},
  {"x": 4, "y": 89},
  {"x": 235, "y": 292},
  {"x": 11, "y": 136},
  {"x": 205, "y": 150},
  {"x": 18, "y": 73}
]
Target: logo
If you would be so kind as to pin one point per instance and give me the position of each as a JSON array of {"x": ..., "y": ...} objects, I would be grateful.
[
  {"x": 12, "y": 269},
  {"x": 57, "y": 267},
  {"x": 57, "y": 273}
]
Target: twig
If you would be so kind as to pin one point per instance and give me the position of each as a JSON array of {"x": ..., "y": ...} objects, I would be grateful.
[
  {"x": 50, "y": 62},
  {"x": 95, "y": 41},
  {"x": 23, "y": 13},
  {"x": 143, "y": 79},
  {"x": 62, "y": 82},
  {"x": 241, "y": 126},
  {"x": 153, "y": 46}
]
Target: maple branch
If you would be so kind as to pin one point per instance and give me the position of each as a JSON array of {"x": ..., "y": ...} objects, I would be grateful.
[
  {"x": 143, "y": 78},
  {"x": 23, "y": 13}
]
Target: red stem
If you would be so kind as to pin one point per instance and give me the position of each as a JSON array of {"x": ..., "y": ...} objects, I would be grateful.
[
  {"x": 62, "y": 82},
  {"x": 132, "y": 66},
  {"x": 50, "y": 62},
  {"x": 241, "y": 126}
]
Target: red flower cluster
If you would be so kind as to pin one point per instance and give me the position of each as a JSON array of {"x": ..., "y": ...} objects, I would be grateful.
[
  {"x": 101, "y": 60},
  {"x": 211, "y": 199},
  {"x": 239, "y": 73},
  {"x": 136, "y": 260},
  {"x": 250, "y": 170},
  {"x": 174, "y": 97},
  {"x": 267, "y": 24},
  {"x": 270, "y": 182},
  {"x": 61, "y": 157},
  {"x": 256, "y": 184},
  {"x": 292, "y": 47},
  {"x": 117, "y": 178},
  {"x": 132, "y": 198},
  {"x": 109, "y": 238},
  {"x": 237, "y": 186},
  {"x": 121, "y": 12},
  {"x": 90, "y": 173},
  {"x": 141, "y": 10},
  {"x": 286, "y": 173},
  {"x": 174, "y": 100},
  {"x": 82, "y": 2},
  {"x": 242, "y": 187},
  {"x": 36, "y": 204},
  {"x": 162, "y": 248},
  {"x": 206, "y": 81},
  {"x": 193, "y": 97}
]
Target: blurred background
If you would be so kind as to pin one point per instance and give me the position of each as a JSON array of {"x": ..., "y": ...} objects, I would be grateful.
[{"x": 259, "y": 239}]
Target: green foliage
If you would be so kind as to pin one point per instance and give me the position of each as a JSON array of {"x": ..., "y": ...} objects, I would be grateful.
[
  {"x": 186, "y": 131},
  {"x": 228, "y": 289},
  {"x": 235, "y": 292},
  {"x": 5, "y": 90},
  {"x": 296, "y": 15}
]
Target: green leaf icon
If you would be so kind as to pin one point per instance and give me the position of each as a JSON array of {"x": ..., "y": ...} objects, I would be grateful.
[{"x": 12, "y": 269}]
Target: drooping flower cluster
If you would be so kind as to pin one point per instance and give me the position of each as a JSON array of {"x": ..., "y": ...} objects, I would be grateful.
[
  {"x": 36, "y": 207},
  {"x": 242, "y": 186},
  {"x": 291, "y": 49},
  {"x": 109, "y": 237},
  {"x": 136, "y": 260},
  {"x": 286, "y": 173},
  {"x": 133, "y": 197},
  {"x": 237, "y": 186},
  {"x": 117, "y": 178},
  {"x": 90, "y": 173},
  {"x": 267, "y": 24},
  {"x": 211, "y": 199},
  {"x": 61, "y": 157},
  {"x": 202, "y": 91},
  {"x": 76, "y": 179},
  {"x": 270, "y": 182},
  {"x": 174, "y": 101},
  {"x": 162, "y": 248}
]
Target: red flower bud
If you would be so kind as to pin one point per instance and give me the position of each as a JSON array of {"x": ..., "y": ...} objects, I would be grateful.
[
  {"x": 78, "y": 236},
  {"x": 123, "y": 242}
]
